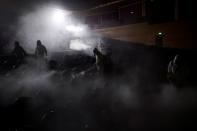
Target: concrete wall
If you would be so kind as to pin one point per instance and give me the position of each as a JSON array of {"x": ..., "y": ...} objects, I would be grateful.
[{"x": 177, "y": 34}]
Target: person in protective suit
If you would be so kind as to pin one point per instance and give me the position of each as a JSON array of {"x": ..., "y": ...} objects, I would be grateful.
[{"x": 41, "y": 51}]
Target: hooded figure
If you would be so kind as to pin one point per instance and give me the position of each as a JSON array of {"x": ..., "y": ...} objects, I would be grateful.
[
  {"x": 41, "y": 50},
  {"x": 41, "y": 53}
]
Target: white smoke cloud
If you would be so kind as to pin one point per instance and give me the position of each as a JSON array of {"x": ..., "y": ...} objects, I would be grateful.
[{"x": 55, "y": 27}]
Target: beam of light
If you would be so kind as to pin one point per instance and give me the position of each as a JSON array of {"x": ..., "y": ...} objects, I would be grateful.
[{"x": 78, "y": 44}]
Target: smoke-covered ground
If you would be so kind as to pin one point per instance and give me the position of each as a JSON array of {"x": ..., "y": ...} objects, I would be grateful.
[{"x": 135, "y": 96}]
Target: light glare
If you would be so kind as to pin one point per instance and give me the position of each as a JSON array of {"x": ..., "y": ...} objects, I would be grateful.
[
  {"x": 58, "y": 16},
  {"x": 74, "y": 29},
  {"x": 78, "y": 45}
]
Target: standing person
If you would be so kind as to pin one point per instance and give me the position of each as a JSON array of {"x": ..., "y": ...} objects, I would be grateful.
[{"x": 40, "y": 53}]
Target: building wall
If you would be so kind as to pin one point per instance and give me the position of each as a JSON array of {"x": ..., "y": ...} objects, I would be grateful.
[{"x": 176, "y": 34}]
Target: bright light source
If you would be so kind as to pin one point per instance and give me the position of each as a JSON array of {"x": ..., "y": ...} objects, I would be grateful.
[
  {"x": 58, "y": 16},
  {"x": 159, "y": 34},
  {"x": 74, "y": 29},
  {"x": 78, "y": 45}
]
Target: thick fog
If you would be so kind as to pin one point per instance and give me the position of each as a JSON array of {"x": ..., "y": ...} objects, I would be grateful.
[{"x": 56, "y": 27}]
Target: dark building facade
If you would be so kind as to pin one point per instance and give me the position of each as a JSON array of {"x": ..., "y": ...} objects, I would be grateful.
[
  {"x": 139, "y": 20},
  {"x": 121, "y": 12}
]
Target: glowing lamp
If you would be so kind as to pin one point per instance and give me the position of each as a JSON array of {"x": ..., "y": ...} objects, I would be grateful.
[{"x": 58, "y": 16}]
